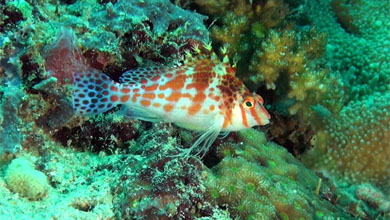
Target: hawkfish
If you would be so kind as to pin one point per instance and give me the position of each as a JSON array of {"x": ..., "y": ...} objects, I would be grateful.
[{"x": 200, "y": 94}]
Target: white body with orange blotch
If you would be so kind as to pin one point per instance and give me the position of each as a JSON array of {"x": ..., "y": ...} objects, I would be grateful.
[{"x": 203, "y": 95}]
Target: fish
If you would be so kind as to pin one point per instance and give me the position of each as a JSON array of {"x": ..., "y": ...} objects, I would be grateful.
[{"x": 200, "y": 94}]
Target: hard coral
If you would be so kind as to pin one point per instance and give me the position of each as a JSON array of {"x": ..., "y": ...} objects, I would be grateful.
[
  {"x": 261, "y": 180},
  {"x": 355, "y": 145},
  {"x": 158, "y": 186}
]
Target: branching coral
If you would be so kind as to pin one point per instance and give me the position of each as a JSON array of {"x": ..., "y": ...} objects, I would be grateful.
[
  {"x": 275, "y": 53},
  {"x": 285, "y": 61},
  {"x": 242, "y": 24}
]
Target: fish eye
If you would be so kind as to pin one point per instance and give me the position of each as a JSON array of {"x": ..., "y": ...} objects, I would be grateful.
[{"x": 249, "y": 103}]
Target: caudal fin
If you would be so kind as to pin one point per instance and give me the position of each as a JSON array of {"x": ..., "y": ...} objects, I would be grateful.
[{"x": 94, "y": 93}]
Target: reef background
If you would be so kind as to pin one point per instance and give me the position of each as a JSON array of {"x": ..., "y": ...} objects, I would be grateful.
[{"x": 322, "y": 67}]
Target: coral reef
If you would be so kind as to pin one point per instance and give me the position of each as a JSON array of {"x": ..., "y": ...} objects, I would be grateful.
[
  {"x": 354, "y": 145},
  {"x": 273, "y": 52},
  {"x": 22, "y": 178},
  {"x": 156, "y": 185},
  {"x": 323, "y": 67},
  {"x": 261, "y": 180}
]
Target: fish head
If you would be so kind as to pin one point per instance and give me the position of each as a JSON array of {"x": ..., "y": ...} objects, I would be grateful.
[{"x": 250, "y": 111}]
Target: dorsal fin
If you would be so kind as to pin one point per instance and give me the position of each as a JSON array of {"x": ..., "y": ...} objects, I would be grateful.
[
  {"x": 143, "y": 75},
  {"x": 205, "y": 55}
]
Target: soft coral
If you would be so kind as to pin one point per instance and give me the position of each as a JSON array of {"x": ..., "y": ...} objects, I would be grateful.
[{"x": 63, "y": 58}]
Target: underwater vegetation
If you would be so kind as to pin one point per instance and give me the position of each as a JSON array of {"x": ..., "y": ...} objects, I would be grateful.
[{"x": 322, "y": 68}]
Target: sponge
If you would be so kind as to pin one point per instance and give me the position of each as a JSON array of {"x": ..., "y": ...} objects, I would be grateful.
[{"x": 22, "y": 178}]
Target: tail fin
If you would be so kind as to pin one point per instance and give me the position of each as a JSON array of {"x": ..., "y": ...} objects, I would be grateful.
[{"x": 94, "y": 93}]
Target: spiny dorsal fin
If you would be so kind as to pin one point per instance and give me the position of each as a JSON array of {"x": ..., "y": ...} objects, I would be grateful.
[{"x": 142, "y": 75}]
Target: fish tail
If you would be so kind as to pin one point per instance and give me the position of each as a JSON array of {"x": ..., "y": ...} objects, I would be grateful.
[{"x": 95, "y": 93}]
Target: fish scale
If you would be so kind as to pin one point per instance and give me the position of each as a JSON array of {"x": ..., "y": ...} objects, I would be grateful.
[{"x": 201, "y": 94}]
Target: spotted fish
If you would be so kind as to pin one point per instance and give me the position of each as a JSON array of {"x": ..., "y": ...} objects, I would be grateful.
[{"x": 202, "y": 94}]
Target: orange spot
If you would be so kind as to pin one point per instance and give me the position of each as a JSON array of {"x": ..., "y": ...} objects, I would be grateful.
[
  {"x": 203, "y": 68},
  {"x": 156, "y": 78},
  {"x": 181, "y": 71},
  {"x": 149, "y": 95},
  {"x": 145, "y": 102},
  {"x": 125, "y": 98},
  {"x": 168, "y": 75},
  {"x": 157, "y": 105},
  {"x": 134, "y": 99},
  {"x": 136, "y": 90},
  {"x": 161, "y": 95},
  {"x": 212, "y": 107},
  {"x": 114, "y": 88},
  {"x": 151, "y": 88},
  {"x": 199, "y": 85},
  {"x": 125, "y": 90},
  {"x": 217, "y": 98},
  {"x": 114, "y": 98},
  {"x": 200, "y": 97},
  {"x": 168, "y": 107},
  {"x": 174, "y": 97},
  {"x": 193, "y": 109},
  {"x": 187, "y": 95},
  {"x": 243, "y": 114},
  {"x": 143, "y": 81},
  {"x": 175, "y": 84}
]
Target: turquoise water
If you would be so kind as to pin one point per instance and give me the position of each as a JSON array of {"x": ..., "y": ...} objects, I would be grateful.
[{"x": 183, "y": 135}]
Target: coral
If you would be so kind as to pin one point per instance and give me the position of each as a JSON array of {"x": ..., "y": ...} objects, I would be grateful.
[
  {"x": 355, "y": 144},
  {"x": 10, "y": 135},
  {"x": 24, "y": 179},
  {"x": 158, "y": 186},
  {"x": 242, "y": 26},
  {"x": 359, "y": 60},
  {"x": 283, "y": 52},
  {"x": 286, "y": 62},
  {"x": 274, "y": 52},
  {"x": 343, "y": 14},
  {"x": 63, "y": 58},
  {"x": 261, "y": 180},
  {"x": 373, "y": 197}
]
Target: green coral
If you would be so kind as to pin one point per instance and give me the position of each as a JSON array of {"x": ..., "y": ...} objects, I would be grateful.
[{"x": 263, "y": 181}]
